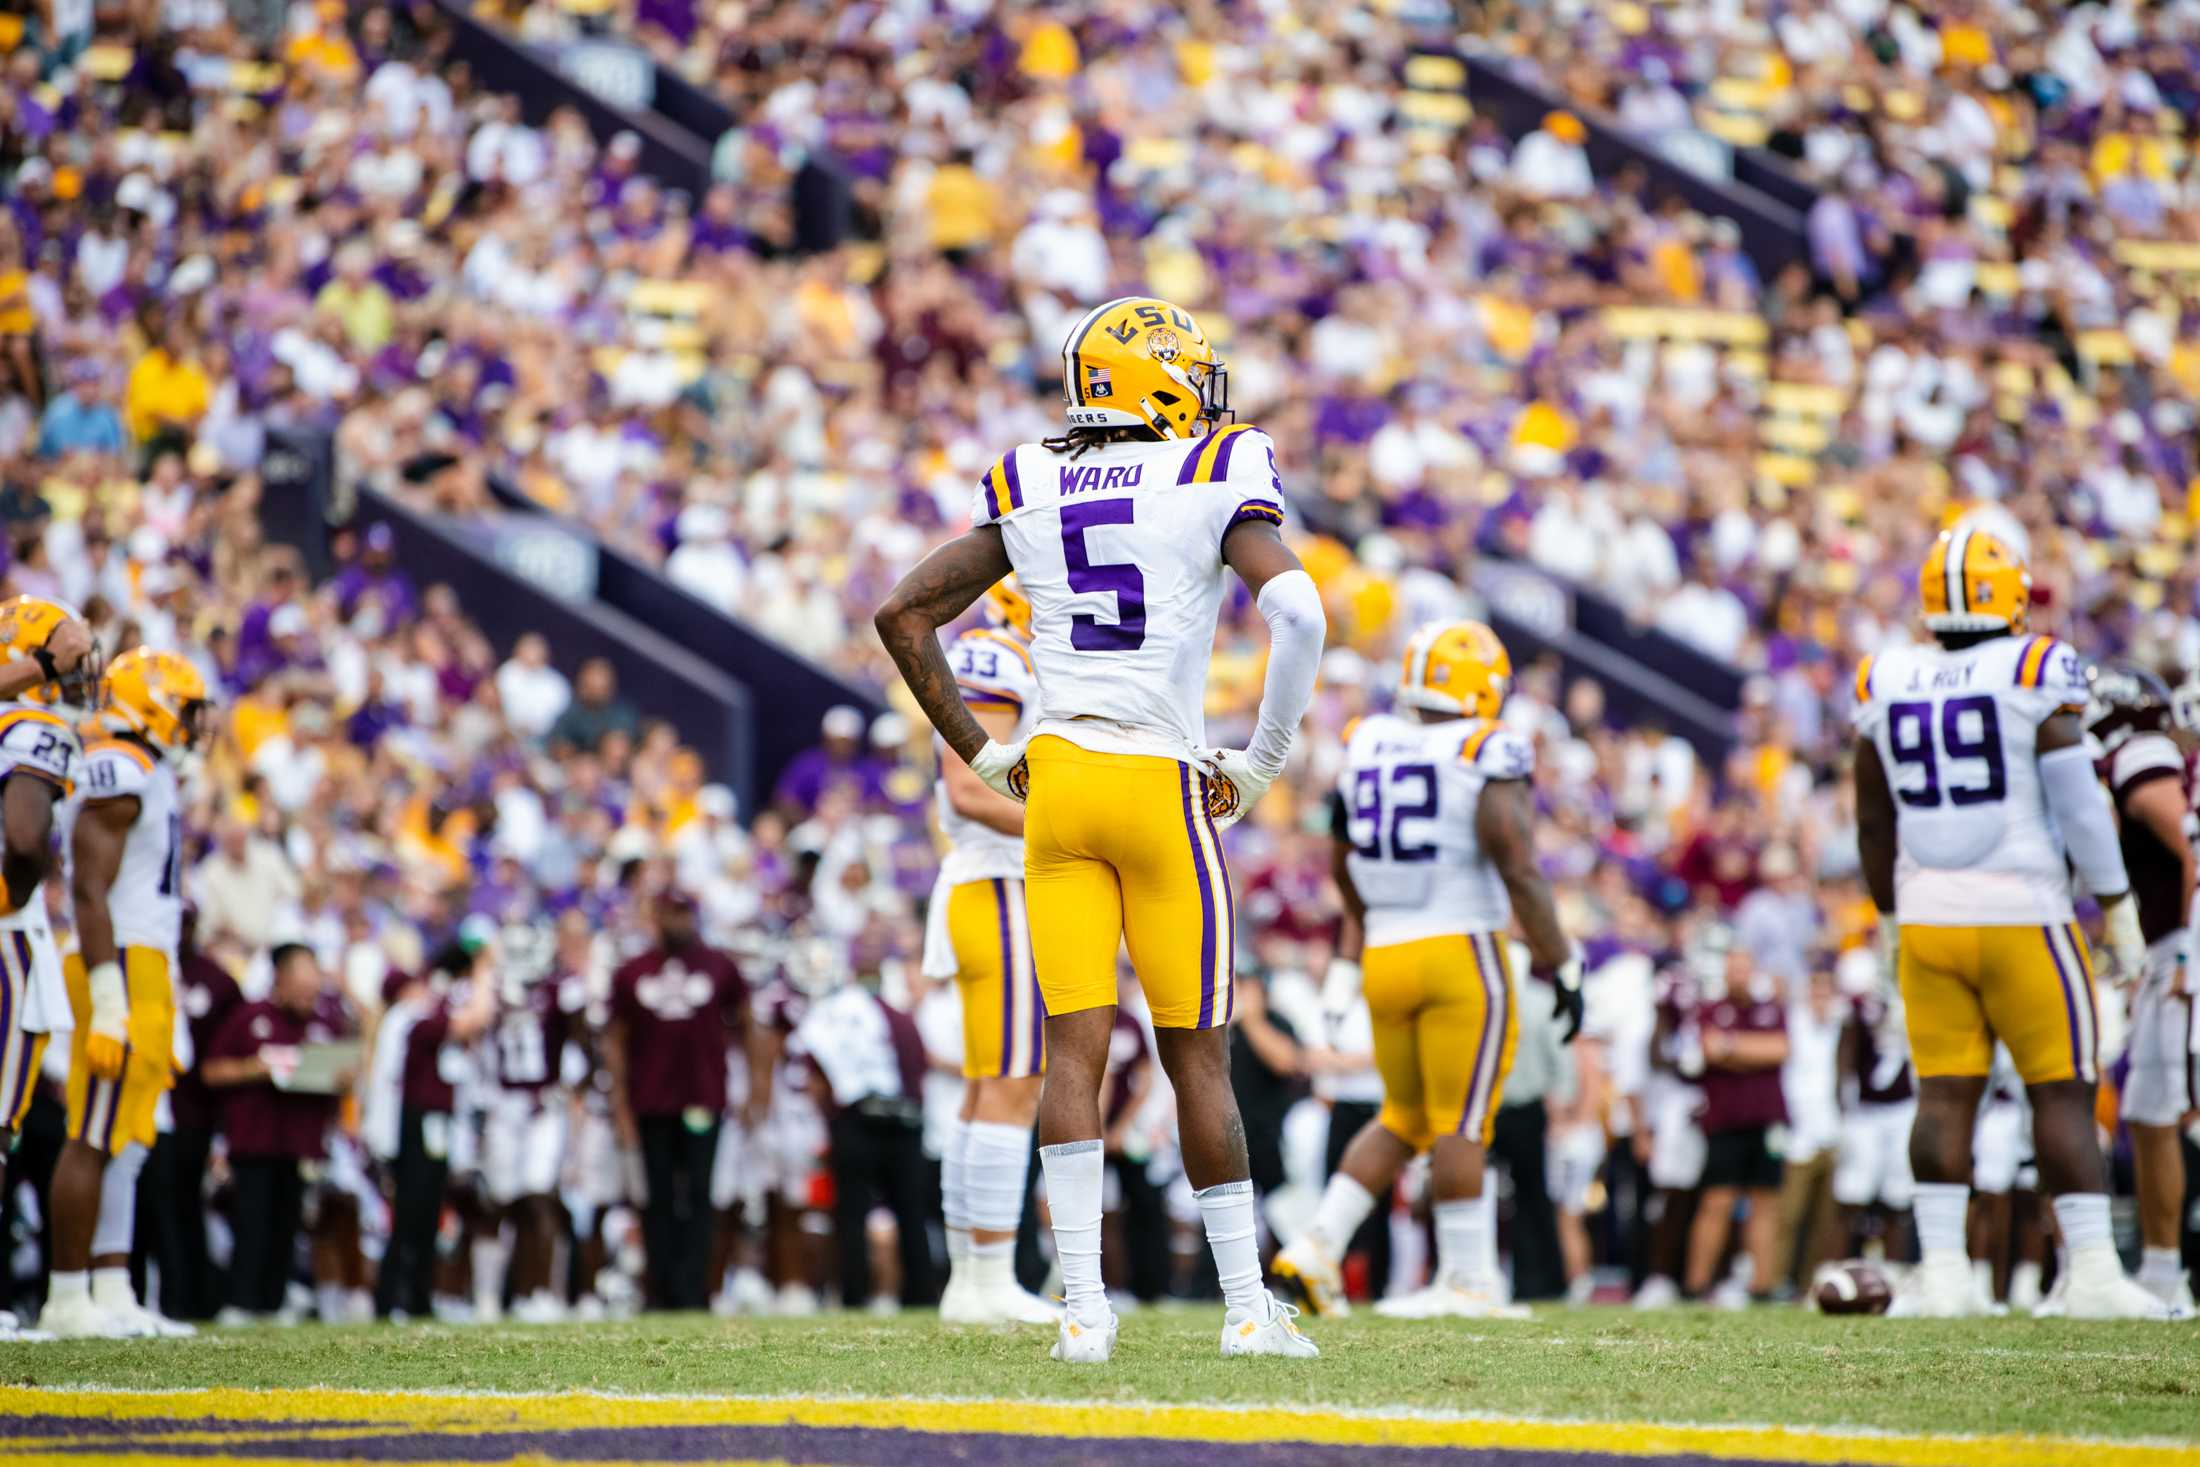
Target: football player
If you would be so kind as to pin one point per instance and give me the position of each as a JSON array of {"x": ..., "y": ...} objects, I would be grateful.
[
  {"x": 1435, "y": 853},
  {"x": 123, "y": 844},
  {"x": 1974, "y": 789},
  {"x": 526, "y": 1124},
  {"x": 2145, "y": 769},
  {"x": 1878, "y": 1107},
  {"x": 1120, "y": 531},
  {"x": 978, "y": 936},
  {"x": 49, "y": 675}
]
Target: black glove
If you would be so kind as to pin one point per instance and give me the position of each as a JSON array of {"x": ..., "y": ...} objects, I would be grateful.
[{"x": 1565, "y": 981}]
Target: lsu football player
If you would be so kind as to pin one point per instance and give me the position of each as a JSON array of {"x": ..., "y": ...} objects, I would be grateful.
[
  {"x": 977, "y": 935},
  {"x": 1120, "y": 531},
  {"x": 1435, "y": 857},
  {"x": 49, "y": 671},
  {"x": 123, "y": 847},
  {"x": 1974, "y": 788},
  {"x": 2148, "y": 779}
]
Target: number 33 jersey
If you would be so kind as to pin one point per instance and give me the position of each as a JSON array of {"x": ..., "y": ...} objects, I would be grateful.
[
  {"x": 1958, "y": 734},
  {"x": 1407, "y": 800},
  {"x": 1120, "y": 551},
  {"x": 146, "y": 901}
]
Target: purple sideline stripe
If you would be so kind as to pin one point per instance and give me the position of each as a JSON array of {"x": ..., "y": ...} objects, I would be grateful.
[
  {"x": 1008, "y": 978},
  {"x": 1229, "y": 912},
  {"x": 2070, "y": 1006},
  {"x": 1492, "y": 1013},
  {"x": 842, "y": 1446},
  {"x": 1206, "y": 901}
]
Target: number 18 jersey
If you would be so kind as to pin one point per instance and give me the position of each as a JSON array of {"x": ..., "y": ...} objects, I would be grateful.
[
  {"x": 1120, "y": 551},
  {"x": 146, "y": 901},
  {"x": 1409, "y": 793},
  {"x": 1958, "y": 734}
]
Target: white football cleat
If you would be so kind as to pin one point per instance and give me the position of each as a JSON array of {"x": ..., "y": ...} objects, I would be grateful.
[
  {"x": 958, "y": 1301},
  {"x": 1942, "y": 1289},
  {"x": 1657, "y": 1292},
  {"x": 1084, "y": 1344},
  {"x": 2176, "y": 1293},
  {"x": 1452, "y": 1299},
  {"x": 1010, "y": 1303},
  {"x": 540, "y": 1307},
  {"x": 1268, "y": 1330},
  {"x": 1309, "y": 1277},
  {"x": 2115, "y": 1296},
  {"x": 152, "y": 1324},
  {"x": 79, "y": 1318},
  {"x": 12, "y": 1331}
]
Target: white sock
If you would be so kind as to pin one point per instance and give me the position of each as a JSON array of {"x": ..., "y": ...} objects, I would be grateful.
[
  {"x": 111, "y": 1289},
  {"x": 1491, "y": 1274},
  {"x": 1344, "y": 1206},
  {"x": 1227, "y": 1210},
  {"x": 1073, "y": 1172},
  {"x": 490, "y": 1258},
  {"x": 2083, "y": 1219},
  {"x": 117, "y": 1225},
  {"x": 76, "y": 1284},
  {"x": 2164, "y": 1266},
  {"x": 995, "y": 1163},
  {"x": 330, "y": 1304},
  {"x": 952, "y": 1203},
  {"x": 1943, "y": 1213},
  {"x": 1462, "y": 1240},
  {"x": 992, "y": 1264}
]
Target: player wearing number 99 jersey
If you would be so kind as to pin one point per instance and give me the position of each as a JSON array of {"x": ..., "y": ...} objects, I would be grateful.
[
  {"x": 1974, "y": 795},
  {"x": 1120, "y": 533},
  {"x": 1434, "y": 858}
]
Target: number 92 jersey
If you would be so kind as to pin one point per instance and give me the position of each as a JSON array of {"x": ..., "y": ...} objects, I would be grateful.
[
  {"x": 1120, "y": 551},
  {"x": 1407, "y": 802},
  {"x": 1958, "y": 734}
]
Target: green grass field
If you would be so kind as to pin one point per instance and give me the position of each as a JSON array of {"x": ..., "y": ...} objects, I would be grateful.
[{"x": 1785, "y": 1366}]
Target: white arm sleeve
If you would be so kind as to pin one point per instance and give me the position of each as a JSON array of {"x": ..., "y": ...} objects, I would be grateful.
[
  {"x": 1296, "y": 628},
  {"x": 2080, "y": 807}
]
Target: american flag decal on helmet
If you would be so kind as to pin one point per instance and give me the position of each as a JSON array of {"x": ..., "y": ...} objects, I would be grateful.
[{"x": 1098, "y": 383}]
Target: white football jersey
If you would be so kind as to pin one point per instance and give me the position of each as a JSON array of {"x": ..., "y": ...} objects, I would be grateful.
[
  {"x": 40, "y": 743},
  {"x": 993, "y": 670},
  {"x": 1410, "y": 791},
  {"x": 146, "y": 901},
  {"x": 1958, "y": 734},
  {"x": 1120, "y": 551}
]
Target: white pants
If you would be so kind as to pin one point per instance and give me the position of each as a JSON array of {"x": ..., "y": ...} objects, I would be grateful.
[
  {"x": 1677, "y": 1145},
  {"x": 1874, "y": 1162},
  {"x": 1573, "y": 1157},
  {"x": 2159, "y": 1089},
  {"x": 2001, "y": 1147},
  {"x": 523, "y": 1139}
]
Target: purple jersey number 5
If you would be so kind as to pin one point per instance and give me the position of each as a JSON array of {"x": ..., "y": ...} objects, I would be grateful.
[{"x": 1087, "y": 633}]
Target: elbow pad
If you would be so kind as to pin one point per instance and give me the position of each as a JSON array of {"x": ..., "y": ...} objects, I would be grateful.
[
  {"x": 1296, "y": 630},
  {"x": 2080, "y": 807}
]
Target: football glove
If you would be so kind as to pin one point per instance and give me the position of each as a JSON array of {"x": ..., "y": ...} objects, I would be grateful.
[
  {"x": 2126, "y": 943},
  {"x": 1340, "y": 986},
  {"x": 1565, "y": 981},
  {"x": 1002, "y": 768},
  {"x": 107, "y": 1038},
  {"x": 1237, "y": 784}
]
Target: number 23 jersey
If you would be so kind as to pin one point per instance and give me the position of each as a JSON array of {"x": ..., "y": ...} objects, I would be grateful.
[
  {"x": 1408, "y": 796},
  {"x": 1958, "y": 735},
  {"x": 1120, "y": 551}
]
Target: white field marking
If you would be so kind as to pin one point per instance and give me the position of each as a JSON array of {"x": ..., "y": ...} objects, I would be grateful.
[{"x": 1283, "y": 1408}]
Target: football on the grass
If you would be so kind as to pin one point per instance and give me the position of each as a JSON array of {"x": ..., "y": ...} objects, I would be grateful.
[{"x": 1854, "y": 1287}]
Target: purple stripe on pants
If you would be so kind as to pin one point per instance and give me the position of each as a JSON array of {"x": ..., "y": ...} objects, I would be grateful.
[
  {"x": 1008, "y": 979},
  {"x": 7, "y": 1032},
  {"x": 1492, "y": 1009},
  {"x": 1229, "y": 911},
  {"x": 2070, "y": 1003},
  {"x": 1206, "y": 899},
  {"x": 2092, "y": 1006}
]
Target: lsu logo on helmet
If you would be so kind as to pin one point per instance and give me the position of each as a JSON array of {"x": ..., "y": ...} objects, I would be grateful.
[
  {"x": 1139, "y": 362},
  {"x": 1456, "y": 667},
  {"x": 1973, "y": 582},
  {"x": 27, "y": 623}
]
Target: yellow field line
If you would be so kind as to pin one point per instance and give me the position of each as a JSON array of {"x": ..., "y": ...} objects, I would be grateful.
[{"x": 485, "y": 1412}]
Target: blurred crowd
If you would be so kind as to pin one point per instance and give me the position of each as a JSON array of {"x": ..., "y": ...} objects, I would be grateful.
[{"x": 1466, "y": 348}]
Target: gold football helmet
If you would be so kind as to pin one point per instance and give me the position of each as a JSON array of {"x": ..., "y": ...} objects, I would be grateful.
[
  {"x": 1973, "y": 582},
  {"x": 26, "y": 624},
  {"x": 159, "y": 696},
  {"x": 1456, "y": 667},
  {"x": 1139, "y": 362},
  {"x": 1007, "y": 607}
]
